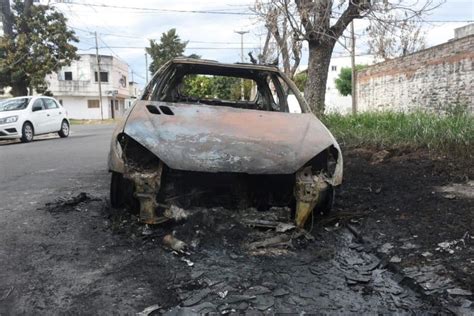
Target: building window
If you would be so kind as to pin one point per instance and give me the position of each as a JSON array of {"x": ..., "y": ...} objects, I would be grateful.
[
  {"x": 123, "y": 81},
  {"x": 68, "y": 75},
  {"x": 104, "y": 76},
  {"x": 93, "y": 104},
  {"x": 334, "y": 68}
]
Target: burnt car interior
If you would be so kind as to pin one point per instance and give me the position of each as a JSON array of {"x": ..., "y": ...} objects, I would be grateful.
[{"x": 270, "y": 92}]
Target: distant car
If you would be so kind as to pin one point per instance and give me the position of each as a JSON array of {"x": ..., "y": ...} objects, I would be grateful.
[
  {"x": 24, "y": 117},
  {"x": 183, "y": 144}
]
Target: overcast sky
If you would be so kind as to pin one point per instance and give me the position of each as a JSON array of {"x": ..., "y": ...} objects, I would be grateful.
[{"x": 128, "y": 30}]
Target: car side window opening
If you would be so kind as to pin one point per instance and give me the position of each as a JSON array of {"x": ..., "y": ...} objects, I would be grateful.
[
  {"x": 49, "y": 104},
  {"x": 221, "y": 86},
  {"x": 38, "y": 103}
]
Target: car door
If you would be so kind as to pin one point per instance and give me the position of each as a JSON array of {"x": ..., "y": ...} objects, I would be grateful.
[
  {"x": 53, "y": 114},
  {"x": 39, "y": 117}
]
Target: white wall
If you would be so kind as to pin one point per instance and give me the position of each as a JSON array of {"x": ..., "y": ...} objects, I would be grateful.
[
  {"x": 335, "y": 102},
  {"x": 83, "y": 86},
  {"x": 76, "y": 108}
]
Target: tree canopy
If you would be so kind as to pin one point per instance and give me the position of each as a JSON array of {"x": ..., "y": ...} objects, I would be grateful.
[
  {"x": 39, "y": 44},
  {"x": 344, "y": 81},
  {"x": 322, "y": 23},
  {"x": 169, "y": 47},
  {"x": 300, "y": 80},
  {"x": 220, "y": 87},
  {"x": 390, "y": 40}
]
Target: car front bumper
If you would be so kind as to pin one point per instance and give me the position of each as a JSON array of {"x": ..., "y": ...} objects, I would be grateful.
[{"x": 10, "y": 131}]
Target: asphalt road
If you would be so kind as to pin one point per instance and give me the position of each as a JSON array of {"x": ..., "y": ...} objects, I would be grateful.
[{"x": 32, "y": 173}]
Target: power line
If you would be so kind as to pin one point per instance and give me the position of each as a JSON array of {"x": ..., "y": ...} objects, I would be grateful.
[
  {"x": 190, "y": 48},
  {"x": 116, "y": 55},
  {"x": 219, "y": 11},
  {"x": 110, "y": 48},
  {"x": 138, "y": 37},
  {"x": 448, "y": 21}
]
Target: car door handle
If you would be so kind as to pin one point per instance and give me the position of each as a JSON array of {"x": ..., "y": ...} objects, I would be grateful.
[
  {"x": 59, "y": 112},
  {"x": 47, "y": 114}
]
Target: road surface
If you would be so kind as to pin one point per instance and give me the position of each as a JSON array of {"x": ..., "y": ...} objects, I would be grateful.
[{"x": 31, "y": 173}]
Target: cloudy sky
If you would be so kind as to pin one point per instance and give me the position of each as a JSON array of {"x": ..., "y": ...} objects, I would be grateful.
[{"x": 125, "y": 27}]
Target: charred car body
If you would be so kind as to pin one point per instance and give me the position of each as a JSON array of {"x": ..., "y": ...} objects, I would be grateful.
[{"x": 174, "y": 147}]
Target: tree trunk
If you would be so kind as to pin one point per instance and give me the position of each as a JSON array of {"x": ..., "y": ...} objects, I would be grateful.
[
  {"x": 19, "y": 90},
  {"x": 7, "y": 17},
  {"x": 318, "y": 66}
]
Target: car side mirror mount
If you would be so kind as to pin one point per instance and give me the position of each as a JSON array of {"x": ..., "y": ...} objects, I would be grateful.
[{"x": 37, "y": 108}]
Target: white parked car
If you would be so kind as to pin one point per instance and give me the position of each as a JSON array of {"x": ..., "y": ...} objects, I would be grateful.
[{"x": 25, "y": 117}]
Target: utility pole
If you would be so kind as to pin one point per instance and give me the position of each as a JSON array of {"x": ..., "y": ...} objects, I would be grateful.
[
  {"x": 353, "y": 76},
  {"x": 146, "y": 67},
  {"x": 242, "y": 60},
  {"x": 98, "y": 77}
]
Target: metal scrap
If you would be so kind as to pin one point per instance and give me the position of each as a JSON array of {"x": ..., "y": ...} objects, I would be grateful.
[
  {"x": 284, "y": 227},
  {"x": 174, "y": 243},
  {"x": 196, "y": 298},
  {"x": 279, "y": 227},
  {"x": 176, "y": 213},
  {"x": 147, "y": 311},
  {"x": 459, "y": 292},
  {"x": 275, "y": 241}
]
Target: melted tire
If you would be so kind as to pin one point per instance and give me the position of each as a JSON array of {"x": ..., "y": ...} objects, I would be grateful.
[{"x": 117, "y": 190}]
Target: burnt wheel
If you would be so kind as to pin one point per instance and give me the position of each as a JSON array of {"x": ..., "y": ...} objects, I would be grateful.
[
  {"x": 117, "y": 190},
  {"x": 121, "y": 193},
  {"x": 325, "y": 206}
]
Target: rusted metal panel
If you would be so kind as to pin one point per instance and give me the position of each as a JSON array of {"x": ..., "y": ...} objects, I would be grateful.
[{"x": 224, "y": 139}]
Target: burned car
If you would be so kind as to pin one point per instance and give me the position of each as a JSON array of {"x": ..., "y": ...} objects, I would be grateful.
[{"x": 262, "y": 147}]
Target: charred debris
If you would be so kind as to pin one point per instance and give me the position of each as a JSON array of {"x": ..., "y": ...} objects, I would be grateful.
[{"x": 159, "y": 193}]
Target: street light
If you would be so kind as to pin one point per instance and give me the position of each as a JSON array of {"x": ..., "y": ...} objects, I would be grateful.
[{"x": 242, "y": 60}]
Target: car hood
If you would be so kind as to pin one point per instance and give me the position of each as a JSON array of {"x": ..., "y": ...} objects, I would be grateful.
[
  {"x": 205, "y": 138},
  {"x": 11, "y": 113}
]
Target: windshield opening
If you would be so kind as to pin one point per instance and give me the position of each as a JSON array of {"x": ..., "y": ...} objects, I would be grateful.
[
  {"x": 246, "y": 88},
  {"x": 14, "y": 104}
]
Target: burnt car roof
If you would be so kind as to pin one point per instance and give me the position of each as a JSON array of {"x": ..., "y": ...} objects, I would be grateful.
[{"x": 213, "y": 63}]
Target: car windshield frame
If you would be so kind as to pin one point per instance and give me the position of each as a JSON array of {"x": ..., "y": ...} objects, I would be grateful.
[
  {"x": 162, "y": 86},
  {"x": 17, "y": 104}
]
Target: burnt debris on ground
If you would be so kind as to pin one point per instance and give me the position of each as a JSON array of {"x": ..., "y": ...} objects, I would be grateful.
[
  {"x": 395, "y": 244},
  {"x": 417, "y": 213},
  {"x": 71, "y": 203},
  {"x": 237, "y": 261}
]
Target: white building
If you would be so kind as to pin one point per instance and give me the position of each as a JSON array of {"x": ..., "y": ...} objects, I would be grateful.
[
  {"x": 77, "y": 87},
  {"x": 134, "y": 93},
  {"x": 334, "y": 101}
]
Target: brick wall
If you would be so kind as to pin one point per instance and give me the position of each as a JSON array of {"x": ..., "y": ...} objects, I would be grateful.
[{"x": 434, "y": 79}]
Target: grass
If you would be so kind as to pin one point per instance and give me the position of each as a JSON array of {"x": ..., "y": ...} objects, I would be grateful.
[
  {"x": 91, "y": 122},
  {"x": 451, "y": 134}
]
